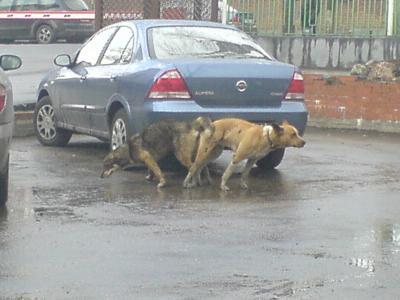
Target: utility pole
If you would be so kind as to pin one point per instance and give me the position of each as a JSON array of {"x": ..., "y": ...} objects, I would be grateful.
[
  {"x": 98, "y": 18},
  {"x": 151, "y": 9},
  {"x": 214, "y": 10}
]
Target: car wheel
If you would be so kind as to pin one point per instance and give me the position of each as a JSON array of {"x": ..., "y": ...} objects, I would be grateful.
[
  {"x": 119, "y": 129},
  {"x": 44, "y": 34},
  {"x": 272, "y": 160},
  {"x": 45, "y": 126},
  {"x": 4, "y": 185}
]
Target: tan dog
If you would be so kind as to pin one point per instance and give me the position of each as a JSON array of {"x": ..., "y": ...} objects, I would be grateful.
[
  {"x": 156, "y": 142},
  {"x": 247, "y": 140}
]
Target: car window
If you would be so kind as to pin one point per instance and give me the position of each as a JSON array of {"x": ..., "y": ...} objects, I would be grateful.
[
  {"x": 202, "y": 42},
  {"x": 89, "y": 54},
  {"x": 6, "y": 4},
  {"x": 120, "y": 48},
  {"x": 49, "y": 4},
  {"x": 26, "y": 5},
  {"x": 75, "y": 5}
]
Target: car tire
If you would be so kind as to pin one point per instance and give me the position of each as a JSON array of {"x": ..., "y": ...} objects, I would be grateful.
[
  {"x": 45, "y": 125},
  {"x": 272, "y": 160},
  {"x": 45, "y": 34},
  {"x": 4, "y": 185},
  {"x": 119, "y": 130}
]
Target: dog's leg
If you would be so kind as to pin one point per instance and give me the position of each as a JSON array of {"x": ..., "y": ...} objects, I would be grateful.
[
  {"x": 245, "y": 175},
  {"x": 210, "y": 155},
  {"x": 197, "y": 179},
  {"x": 227, "y": 174},
  {"x": 206, "y": 147},
  {"x": 206, "y": 174},
  {"x": 150, "y": 175},
  {"x": 149, "y": 161}
]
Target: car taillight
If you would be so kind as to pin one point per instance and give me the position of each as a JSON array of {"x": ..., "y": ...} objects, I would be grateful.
[
  {"x": 170, "y": 85},
  {"x": 296, "y": 88},
  {"x": 2, "y": 97}
]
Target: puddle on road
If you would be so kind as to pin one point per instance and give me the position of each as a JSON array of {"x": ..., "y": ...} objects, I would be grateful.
[{"x": 363, "y": 263}]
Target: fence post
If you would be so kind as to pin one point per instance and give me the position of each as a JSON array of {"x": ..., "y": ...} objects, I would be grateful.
[
  {"x": 197, "y": 9},
  {"x": 224, "y": 11},
  {"x": 214, "y": 10},
  {"x": 390, "y": 17},
  {"x": 151, "y": 9},
  {"x": 98, "y": 19}
]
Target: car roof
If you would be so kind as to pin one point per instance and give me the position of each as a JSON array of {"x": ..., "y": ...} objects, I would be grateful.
[{"x": 144, "y": 24}]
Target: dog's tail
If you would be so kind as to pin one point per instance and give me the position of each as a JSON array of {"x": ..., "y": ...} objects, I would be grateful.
[{"x": 202, "y": 124}]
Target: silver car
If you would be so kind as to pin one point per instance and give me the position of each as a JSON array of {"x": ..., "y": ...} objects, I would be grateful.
[{"x": 7, "y": 62}]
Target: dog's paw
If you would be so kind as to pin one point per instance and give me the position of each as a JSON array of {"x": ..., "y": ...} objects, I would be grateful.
[
  {"x": 149, "y": 177},
  {"x": 188, "y": 183},
  {"x": 244, "y": 185},
  {"x": 106, "y": 173},
  {"x": 161, "y": 184},
  {"x": 225, "y": 188}
]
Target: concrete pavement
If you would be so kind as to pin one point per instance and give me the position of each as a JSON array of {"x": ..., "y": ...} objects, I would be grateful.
[{"x": 325, "y": 225}]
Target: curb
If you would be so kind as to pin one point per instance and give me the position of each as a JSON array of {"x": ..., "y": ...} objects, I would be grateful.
[
  {"x": 357, "y": 124},
  {"x": 23, "y": 124}
]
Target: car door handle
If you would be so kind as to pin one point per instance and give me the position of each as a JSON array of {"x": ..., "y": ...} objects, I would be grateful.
[
  {"x": 113, "y": 77},
  {"x": 83, "y": 77}
]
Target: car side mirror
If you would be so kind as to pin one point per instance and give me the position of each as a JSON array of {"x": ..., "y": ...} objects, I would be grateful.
[
  {"x": 10, "y": 62},
  {"x": 63, "y": 60}
]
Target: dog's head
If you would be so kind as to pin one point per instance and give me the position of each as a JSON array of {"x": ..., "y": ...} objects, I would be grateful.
[
  {"x": 203, "y": 125},
  {"x": 285, "y": 135},
  {"x": 115, "y": 160}
]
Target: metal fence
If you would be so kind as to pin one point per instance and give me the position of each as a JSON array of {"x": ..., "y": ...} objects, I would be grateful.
[
  {"x": 313, "y": 17},
  {"x": 270, "y": 17},
  {"x": 111, "y": 11}
]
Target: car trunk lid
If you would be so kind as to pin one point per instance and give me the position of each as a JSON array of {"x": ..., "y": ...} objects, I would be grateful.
[{"x": 236, "y": 82}]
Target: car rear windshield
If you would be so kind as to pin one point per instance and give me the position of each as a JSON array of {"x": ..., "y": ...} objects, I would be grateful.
[
  {"x": 76, "y": 5},
  {"x": 201, "y": 42}
]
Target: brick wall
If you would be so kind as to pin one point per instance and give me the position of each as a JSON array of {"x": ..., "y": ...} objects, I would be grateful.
[{"x": 350, "y": 103}]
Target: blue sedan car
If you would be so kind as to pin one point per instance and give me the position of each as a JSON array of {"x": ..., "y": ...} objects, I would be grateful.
[{"x": 134, "y": 73}]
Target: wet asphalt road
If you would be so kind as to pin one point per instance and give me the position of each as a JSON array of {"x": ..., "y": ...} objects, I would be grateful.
[{"x": 325, "y": 225}]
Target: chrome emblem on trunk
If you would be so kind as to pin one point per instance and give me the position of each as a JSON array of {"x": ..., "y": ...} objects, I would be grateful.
[{"x": 241, "y": 85}]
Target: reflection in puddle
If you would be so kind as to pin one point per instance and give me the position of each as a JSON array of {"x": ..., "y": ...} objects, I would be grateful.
[
  {"x": 363, "y": 263},
  {"x": 390, "y": 236},
  {"x": 396, "y": 235}
]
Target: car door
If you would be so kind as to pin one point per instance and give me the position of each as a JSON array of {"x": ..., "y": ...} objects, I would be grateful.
[
  {"x": 104, "y": 79},
  {"x": 7, "y": 21},
  {"x": 71, "y": 83},
  {"x": 22, "y": 25}
]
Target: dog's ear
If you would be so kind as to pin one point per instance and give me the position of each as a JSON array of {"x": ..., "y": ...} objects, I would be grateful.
[
  {"x": 285, "y": 122},
  {"x": 278, "y": 129}
]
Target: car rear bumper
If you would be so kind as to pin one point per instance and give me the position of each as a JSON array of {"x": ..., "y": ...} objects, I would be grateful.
[
  {"x": 294, "y": 112},
  {"x": 5, "y": 140}
]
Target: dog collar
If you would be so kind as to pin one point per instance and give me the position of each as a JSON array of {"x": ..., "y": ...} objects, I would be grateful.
[{"x": 267, "y": 130}]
